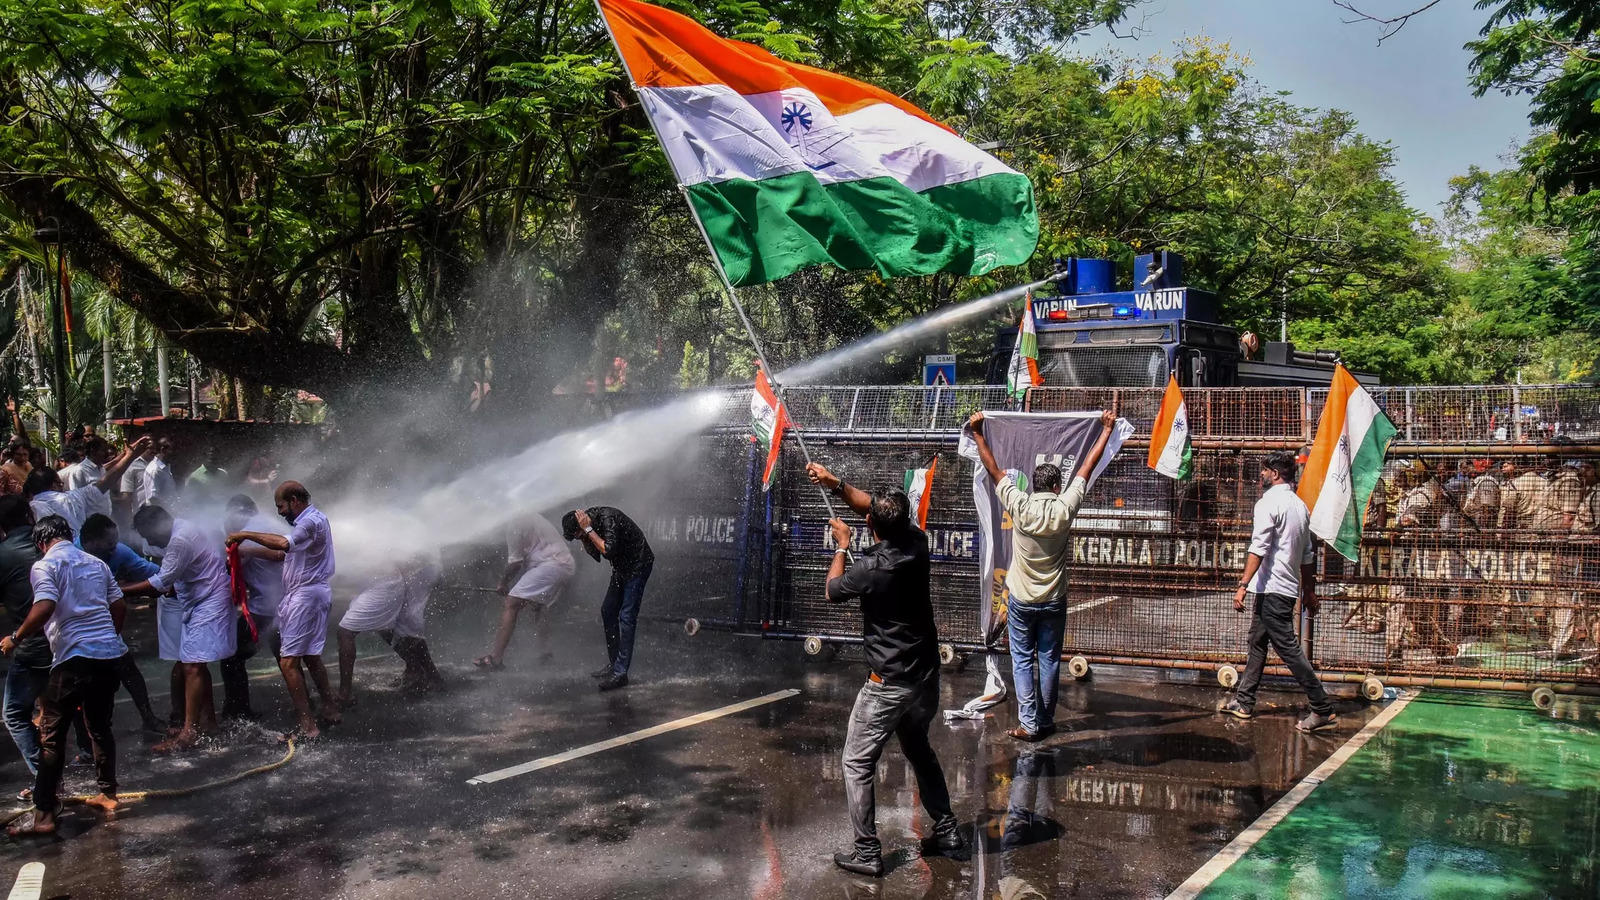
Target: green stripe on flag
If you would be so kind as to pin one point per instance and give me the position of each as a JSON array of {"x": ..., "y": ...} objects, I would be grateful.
[
  {"x": 1365, "y": 467},
  {"x": 764, "y": 230}
]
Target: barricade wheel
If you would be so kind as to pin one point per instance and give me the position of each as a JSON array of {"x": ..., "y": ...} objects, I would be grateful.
[
  {"x": 1078, "y": 667},
  {"x": 947, "y": 654},
  {"x": 1372, "y": 688},
  {"x": 691, "y": 626},
  {"x": 813, "y": 645},
  {"x": 1227, "y": 676},
  {"x": 1543, "y": 697}
]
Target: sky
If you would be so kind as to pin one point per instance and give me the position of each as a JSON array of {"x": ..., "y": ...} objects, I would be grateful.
[{"x": 1411, "y": 91}]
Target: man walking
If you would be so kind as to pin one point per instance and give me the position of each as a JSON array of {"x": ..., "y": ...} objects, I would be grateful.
[
  {"x": 1036, "y": 617},
  {"x": 77, "y": 605},
  {"x": 608, "y": 534},
  {"x": 307, "y": 597},
  {"x": 891, "y": 582},
  {"x": 1280, "y": 568}
]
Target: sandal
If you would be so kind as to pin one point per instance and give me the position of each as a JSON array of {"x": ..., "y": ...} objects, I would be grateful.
[
  {"x": 488, "y": 662},
  {"x": 298, "y": 737}
]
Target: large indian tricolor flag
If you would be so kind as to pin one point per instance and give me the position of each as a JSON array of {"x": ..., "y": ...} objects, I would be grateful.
[
  {"x": 1346, "y": 459},
  {"x": 789, "y": 166}
]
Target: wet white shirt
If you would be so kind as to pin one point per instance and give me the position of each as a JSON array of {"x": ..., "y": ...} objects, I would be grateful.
[
  {"x": 159, "y": 487},
  {"x": 263, "y": 578},
  {"x": 1281, "y": 536},
  {"x": 133, "y": 480},
  {"x": 83, "y": 590},
  {"x": 75, "y": 506},
  {"x": 195, "y": 567},
  {"x": 535, "y": 541},
  {"x": 81, "y": 474},
  {"x": 309, "y": 561}
]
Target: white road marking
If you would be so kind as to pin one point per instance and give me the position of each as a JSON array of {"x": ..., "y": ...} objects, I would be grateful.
[
  {"x": 30, "y": 882},
  {"x": 1268, "y": 820},
  {"x": 1091, "y": 604},
  {"x": 546, "y": 762}
]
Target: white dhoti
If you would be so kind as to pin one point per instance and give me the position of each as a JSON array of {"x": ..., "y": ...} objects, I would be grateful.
[
  {"x": 541, "y": 584},
  {"x": 393, "y": 604},
  {"x": 169, "y": 628},
  {"x": 209, "y": 632},
  {"x": 303, "y": 620}
]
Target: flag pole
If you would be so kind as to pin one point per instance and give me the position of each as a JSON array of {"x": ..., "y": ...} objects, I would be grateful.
[{"x": 716, "y": 263}]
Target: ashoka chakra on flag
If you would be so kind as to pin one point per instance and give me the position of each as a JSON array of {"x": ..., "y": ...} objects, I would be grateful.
[{"x": 789, "y": 166}]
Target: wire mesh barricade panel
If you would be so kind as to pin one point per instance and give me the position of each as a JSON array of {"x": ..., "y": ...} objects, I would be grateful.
[{"x": 1480, "y": 559}]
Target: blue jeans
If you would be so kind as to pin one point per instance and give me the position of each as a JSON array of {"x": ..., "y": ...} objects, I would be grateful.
[
  {"x": 1036, "y": 629},
  {"x": 619, "y": 614},
  {"x": 24, "y": 684}
]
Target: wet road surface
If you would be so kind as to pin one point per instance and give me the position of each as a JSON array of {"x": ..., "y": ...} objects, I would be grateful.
[{"x": 1144, "y": 784}]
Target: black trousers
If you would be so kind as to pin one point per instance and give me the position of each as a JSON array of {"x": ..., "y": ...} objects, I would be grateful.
[
  {"x": 91, "y": 684},
  {"x": 235, "y": 680},
  {"x": 1273, "y": 625}
]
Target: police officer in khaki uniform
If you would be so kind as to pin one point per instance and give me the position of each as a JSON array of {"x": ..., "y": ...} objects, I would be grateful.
[
  {"x": 1365, "y": 615},
  {"x": 1421, "y": 505},
  {"x": 1480, "y": 512},
  {"x": 1568, "y": 488}
]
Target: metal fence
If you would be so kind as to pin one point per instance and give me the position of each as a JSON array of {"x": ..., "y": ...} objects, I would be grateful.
[{"x": 1479, "y": 562}]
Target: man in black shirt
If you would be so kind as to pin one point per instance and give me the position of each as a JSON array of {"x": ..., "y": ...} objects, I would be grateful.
[
  {"x": 609, "y": 535},
  {"x": 901, "y": 695}
]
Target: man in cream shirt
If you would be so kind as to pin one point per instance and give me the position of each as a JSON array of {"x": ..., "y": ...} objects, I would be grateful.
[{"x": 1041, "y": 545}]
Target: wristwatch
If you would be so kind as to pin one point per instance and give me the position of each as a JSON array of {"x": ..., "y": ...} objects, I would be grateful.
[{"x": 589, "y": 529}]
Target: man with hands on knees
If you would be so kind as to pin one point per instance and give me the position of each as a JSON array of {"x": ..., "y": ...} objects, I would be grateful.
[{"x": 901, "y": 694}]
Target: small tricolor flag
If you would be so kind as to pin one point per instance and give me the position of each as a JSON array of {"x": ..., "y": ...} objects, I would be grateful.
[
  {"x": 788, "y": 166},
  {"x": 1023, "y": 372},
  {"x": 919, "y": 488},
  {"x": 1346, "y": 459},
  {"x": 1171, "y": 454},
  {"x": 768, "y": 419}
]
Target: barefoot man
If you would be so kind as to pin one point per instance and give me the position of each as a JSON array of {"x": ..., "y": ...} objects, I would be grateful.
[
  {"x": 77, "y": 604},
  {"x": 538, "y": 567},
  {"x": 193, "y": 566},
  {"x": 307, "y": 597}
]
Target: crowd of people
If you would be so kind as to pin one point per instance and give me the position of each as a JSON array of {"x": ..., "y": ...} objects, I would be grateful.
[
  {"x": 87, "y": 539},
  {"x": 1417, "y": 505}
]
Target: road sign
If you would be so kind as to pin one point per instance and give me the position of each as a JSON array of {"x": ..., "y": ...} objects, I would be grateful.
[{"x": 939, "y": 369}]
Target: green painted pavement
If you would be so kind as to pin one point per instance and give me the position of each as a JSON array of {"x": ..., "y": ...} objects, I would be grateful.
[{"x": 1462, "y": 795}]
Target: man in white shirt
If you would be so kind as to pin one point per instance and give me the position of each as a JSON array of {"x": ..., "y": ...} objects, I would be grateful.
[
  {"x": 97, "y": 451},
  {"x": 192, "y": 564},
  {"x": 1041, "y": 547},
  {"x": 263, "y": 580},
  {"x": 160, "y": 488},
  {"x": 538, "y": 567},
  {"x": 308, "y": 568},
  {"x": 43, "y": 489},
  {"x": 1281, "y": 567},
  {"x": 77, "y": 605}
]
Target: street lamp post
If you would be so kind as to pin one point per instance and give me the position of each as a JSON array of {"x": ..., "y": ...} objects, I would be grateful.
[{"x": 47, "y": 236}]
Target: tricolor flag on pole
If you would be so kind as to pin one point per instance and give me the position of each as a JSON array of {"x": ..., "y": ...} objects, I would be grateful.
[
  {"x": 1023, "y": 372},
  {"x": 768, "y": 419},
  {"x": 1171, "y": 454},
  {"x": 788, "y": 166},
  {"x": 1345, "y": 461},
  {"x": 919, "y": 488}
]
